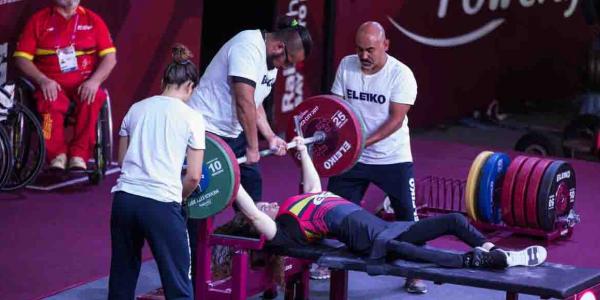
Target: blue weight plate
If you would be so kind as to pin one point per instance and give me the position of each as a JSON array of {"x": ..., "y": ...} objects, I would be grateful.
[{"x": 490, "y": 182}]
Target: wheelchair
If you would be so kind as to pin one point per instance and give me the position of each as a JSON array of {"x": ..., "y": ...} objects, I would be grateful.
[
  {"x": 5, "y": 150},
  {"x": 22, "y": 149},
  {"x": 102, "y": 150},
  {"x": 6, "y": 157}
]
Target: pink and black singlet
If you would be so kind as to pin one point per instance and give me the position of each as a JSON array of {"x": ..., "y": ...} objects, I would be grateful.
[{"x": 306, "y": 218}]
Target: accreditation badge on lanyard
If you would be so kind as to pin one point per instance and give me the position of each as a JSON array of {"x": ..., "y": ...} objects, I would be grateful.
[{"x": 67, "y": 57}]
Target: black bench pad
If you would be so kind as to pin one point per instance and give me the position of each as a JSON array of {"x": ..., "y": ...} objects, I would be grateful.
[{"x": 547, "y": 280}]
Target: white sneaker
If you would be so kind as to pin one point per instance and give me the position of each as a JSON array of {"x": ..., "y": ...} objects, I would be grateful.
[
  {"x": 530, "y": 257},
  {"x": 77, "y": 163},
  {"x": 319, "y": 273},
  {"x": 59, "y": 162},
  {"x": 415, "y": 286}
]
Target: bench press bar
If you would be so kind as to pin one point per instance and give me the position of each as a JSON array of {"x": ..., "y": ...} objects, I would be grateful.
[{"x": 316, "y": 138}]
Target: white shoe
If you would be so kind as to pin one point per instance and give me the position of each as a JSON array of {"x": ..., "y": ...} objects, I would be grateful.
[
  {"x": 77, "y": 163},
  {"x": 59, "y": 162},
  {"x": 530, "y": 257},
  {"x": 319, "y": 273},
  {"x": 415, "y": 286}
]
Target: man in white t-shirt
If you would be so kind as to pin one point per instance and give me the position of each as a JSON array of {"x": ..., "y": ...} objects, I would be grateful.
[
  {"x": 382, "y": 90},
  {"x": 236, "y": 82}
]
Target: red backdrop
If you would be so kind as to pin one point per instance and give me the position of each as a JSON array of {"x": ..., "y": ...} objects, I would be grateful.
[
  {"x": 526, "y": 51},
  {"x": 534, "y": 53}
]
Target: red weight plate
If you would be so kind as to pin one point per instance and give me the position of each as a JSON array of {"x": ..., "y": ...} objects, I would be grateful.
[
  {"x": 359, "y": 123},
  {"x": 344, "y": 134},
  {"x": 507, "y": 189},
  {"x": 520, "y": 191},
  {"x": 533, "y": 186},
  {"x": 222, "y": 180},
  {"x": 235, "y": 166}
]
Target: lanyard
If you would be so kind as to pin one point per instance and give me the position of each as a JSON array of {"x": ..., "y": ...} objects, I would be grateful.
[{"x": 72, "y": 34}]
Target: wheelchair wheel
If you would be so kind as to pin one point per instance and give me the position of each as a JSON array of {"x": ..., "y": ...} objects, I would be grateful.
[
  {"x": 6, "y": 158},
  {"x": 28, "y": 148},
  {"x": 103, "y": 147},
  {"x": 96, "y": 175}
]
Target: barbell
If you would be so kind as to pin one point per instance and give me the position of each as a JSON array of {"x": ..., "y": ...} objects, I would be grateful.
[
  {"x": 334, "y": 135},
  {"x": 318, "y": 137}
]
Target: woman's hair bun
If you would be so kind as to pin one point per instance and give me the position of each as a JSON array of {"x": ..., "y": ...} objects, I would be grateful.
[{"x": 181, "y": 53}]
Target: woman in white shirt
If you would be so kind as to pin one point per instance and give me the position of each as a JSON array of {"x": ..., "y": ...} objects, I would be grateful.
[{"x": 156, "y": 135}]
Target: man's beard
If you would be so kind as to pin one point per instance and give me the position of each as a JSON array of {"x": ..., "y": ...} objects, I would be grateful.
[{"x": 270, "y": 60}]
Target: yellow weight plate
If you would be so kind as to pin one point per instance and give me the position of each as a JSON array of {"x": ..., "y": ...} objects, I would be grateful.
[{"x": 472, "y": 183}]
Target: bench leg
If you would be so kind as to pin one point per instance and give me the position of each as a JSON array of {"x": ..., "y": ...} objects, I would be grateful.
[
  {"x": 270, "y": 293},
  {"x": 303, "y": 285},
  {"x": 338, "y": 286},
  {"x": 203, "y": 258},
  {"x": 240, "y": 275},
  {"x": 290, "y": 290},
  {"x": 512, "y": 296}
]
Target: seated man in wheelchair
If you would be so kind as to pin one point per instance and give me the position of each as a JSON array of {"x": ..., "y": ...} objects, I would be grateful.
[
  {"x": 67, "y": 51},
  {"x": 303, "y": 219}
]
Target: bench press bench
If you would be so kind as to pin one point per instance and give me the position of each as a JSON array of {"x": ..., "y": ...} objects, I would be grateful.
[{"x": 546, "y": 281}]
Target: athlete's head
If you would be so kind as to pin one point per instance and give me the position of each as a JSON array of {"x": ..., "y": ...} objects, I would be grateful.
[
  {"x": 67, "y": 4},
  {"x": 289, "y": 44},
  {"x": 371, "y": 46},
  {"x": 222, "y": 255},
  {"x": 181, "y": 75}
]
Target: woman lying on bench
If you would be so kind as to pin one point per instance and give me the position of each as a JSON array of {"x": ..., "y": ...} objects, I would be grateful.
[{"x": 303, "y": 219}]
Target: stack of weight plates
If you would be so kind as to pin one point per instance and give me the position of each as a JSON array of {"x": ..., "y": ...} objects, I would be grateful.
[{"x": 527, "y": 192}]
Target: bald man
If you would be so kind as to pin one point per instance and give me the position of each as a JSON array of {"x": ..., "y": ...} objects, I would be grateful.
[{"x": 382, "y": 90}]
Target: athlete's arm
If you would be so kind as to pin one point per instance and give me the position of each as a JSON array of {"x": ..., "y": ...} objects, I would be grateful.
[
  {"x": 261, "y": 221},
  {"x": 398, "y": 112},
  {"x": 311, "y": 182}
]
